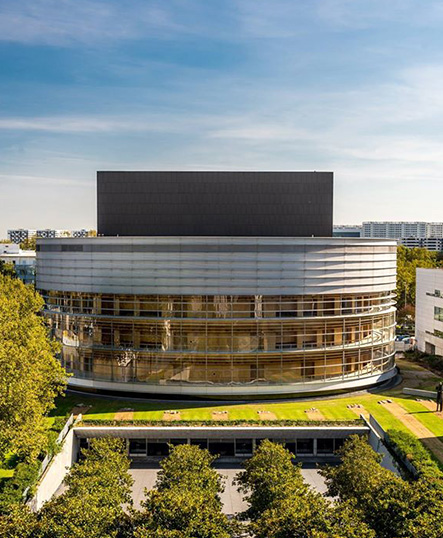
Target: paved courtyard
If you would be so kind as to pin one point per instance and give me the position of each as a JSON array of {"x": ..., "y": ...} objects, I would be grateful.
[{"x": 145, "y": 474}]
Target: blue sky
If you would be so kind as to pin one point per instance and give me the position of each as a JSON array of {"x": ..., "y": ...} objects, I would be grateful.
[{"x": 352, "y": 86}]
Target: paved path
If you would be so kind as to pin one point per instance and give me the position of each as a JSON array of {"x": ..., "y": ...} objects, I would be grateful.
[
  {"x": 424, "y": 434},
  {"x": 360, "y": 411},
  {"x": 311, "y": 475},
  {"x": 145, "y": 475},
  {"x": 314, "y": 414},
  {"x": 431, "y": 406},
  {"x": 124, "y": 414}
]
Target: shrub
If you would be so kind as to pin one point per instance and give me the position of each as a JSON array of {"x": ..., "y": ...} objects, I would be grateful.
[
  {"x": 410, "y": 448},
  {"x": 25, "y": 475},
  {"x": 433, "y": 362}
]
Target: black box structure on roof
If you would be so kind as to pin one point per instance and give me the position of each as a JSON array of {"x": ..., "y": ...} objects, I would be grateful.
[{"x": 266, "y": 204}]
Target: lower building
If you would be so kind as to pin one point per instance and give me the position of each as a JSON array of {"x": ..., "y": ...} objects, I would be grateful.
[
  {"x": 429, "y": 311},
  {"x": 22, "y": 260},
  {"x": 429, "y": 243},
  {"x": 347, "y": 230},
  {"x": 20, "y": 235},
  {"x": 221, "y": 316}
]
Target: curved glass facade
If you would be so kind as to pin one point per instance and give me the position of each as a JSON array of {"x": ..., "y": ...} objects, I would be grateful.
[{"x": 223, "y": 339}]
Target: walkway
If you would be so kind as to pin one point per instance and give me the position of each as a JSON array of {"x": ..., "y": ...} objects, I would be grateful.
[
  {"x": 145, "y": 475},
  {"x": 424, "y": 434}
]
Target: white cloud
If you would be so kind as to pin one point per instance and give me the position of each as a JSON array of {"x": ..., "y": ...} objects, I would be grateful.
[{"x": 89, "y": 124}]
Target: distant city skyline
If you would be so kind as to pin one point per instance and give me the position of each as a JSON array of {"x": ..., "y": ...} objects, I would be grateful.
[{"x": 331, "y": 85}]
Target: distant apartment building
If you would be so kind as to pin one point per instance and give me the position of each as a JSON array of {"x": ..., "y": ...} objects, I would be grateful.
[
  {"x": 430, "y": 243},
  {"x": 47, "y": 234},
  {"x": 398, "y": 230},
  {"x": 347, "y": 230},
  {"x": 20, "y": 235},
  {"x": 22, "y": 260},
  {"x": 80, "y": 233},
  {"x": 429, "y": 311},
  {"x": 427, "y": 235}
]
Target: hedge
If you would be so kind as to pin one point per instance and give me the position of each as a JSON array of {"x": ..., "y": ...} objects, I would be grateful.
[
  {"x": 12, "y": 490},
  {"x": 217, "y": 423},
  {"x": 432, "y": 362},
  {"x": 411, "y": 449}
]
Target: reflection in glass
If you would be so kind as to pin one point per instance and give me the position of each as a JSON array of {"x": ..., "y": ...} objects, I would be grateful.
[{"x": 226, "y": 340}]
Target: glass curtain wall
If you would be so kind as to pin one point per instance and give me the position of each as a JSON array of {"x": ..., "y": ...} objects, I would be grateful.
[{"x": 222, "y": 339}]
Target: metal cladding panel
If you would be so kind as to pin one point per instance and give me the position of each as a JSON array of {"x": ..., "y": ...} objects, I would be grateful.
[
  {"x": 241, "y": 266},
  {"x": 268, "y": 204}
]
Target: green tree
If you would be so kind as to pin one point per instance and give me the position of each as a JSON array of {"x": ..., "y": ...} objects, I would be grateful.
[
  {"x": 98, "y": 489},
  {"x": 19, "y": 522},
  {"x": 186, "y": 502},
  {"x": 7, "y": 269},
  {"x": 269, "y": 475},
  {"x": 391, "y": 506},
  {"x": 283, "y": 506},
  {"x": 189, "y": 466},
  {"x": 309, "y": 516},
  {"x": 30, "y": 375},
  {"x": 408, "y": 260},
  {"x": 11, "y": 490},
  {"x": 29, "y": 244}
]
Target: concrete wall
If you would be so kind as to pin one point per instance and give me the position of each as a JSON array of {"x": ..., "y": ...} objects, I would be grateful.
[
  {"x": 376, "y": 440},
  {"x": 60, "y": 465},
  {"x": 220, "y": 432},
  {"x": 420, "y": 393},
  {"x": 56, "y": 471}
]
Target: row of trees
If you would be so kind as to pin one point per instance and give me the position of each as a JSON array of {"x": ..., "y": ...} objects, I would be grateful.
[
  {"x": 369, "y": 501},
  {"x": 30, "y": 375}
]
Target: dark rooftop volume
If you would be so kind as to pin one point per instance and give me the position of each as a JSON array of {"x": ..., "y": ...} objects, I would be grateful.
[{"x": 267, "y": 204}]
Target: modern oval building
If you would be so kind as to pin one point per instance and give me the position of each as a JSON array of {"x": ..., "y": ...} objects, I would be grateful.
[{"x": 220, "y": 284}]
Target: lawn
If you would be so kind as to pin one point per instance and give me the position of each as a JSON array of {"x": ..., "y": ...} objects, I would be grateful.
[
  {"x": 426, "y": 417},
  {"x": 332, "y": 409},
  {"x": 6, "y": 473}
]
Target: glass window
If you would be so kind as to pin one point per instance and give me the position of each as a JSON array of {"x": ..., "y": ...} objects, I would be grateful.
[
  {"x": 107, "y": 305},
  {"x": 158, "y": 448},
  {"x": 137, "y": 447},
  {"x": 438, "y": 313},
  {"x": 338, "y": 443},
  {"x": 176, "y": 442},
  {"x": 243, "y": 447},
  {"x": 221, "y": 447},
  {"x": 346, "y": 305},
  {"x": 325, "y": 446},
  {"x": 291, "y": 446},
  {"x": 202, "y": 443},
  {"x": 305, "y": 446},
  {"x": 310, "y": 307}
]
